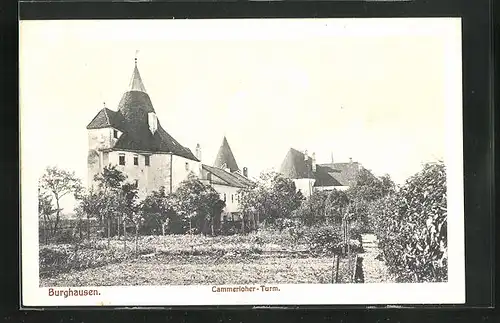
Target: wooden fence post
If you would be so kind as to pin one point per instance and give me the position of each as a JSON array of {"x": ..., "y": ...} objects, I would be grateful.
[
  {"x": 337, "y": 269},
  {"x": 355, "y": 268},
  {"x": 333, "y": 269},
  {"x": 124, "y": 236}
]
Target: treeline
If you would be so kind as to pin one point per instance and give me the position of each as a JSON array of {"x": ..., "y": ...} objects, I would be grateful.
[{"x": 410, "y": 221}]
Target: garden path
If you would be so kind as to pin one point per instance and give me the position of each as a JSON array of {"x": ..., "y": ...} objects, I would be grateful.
[{"x": 374, "y": 269}]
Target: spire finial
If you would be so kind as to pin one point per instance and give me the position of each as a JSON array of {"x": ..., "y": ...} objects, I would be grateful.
[
  {"x": 135, "y": 58},
  {"x": 136, "y": 81}
]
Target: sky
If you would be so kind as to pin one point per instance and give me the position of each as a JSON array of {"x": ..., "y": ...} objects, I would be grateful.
[{"x": 374, "y": 90}]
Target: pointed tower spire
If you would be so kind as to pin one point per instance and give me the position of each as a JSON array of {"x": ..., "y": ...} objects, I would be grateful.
[
  {"x": 225, "y": 157},
  {"x": 136, "y": 83}
]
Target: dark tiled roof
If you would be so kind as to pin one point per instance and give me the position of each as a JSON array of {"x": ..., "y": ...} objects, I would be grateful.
[
  {"x": 345, "y": 173},
  {"x": 337, "y": 174},
  {"x": 230, "y": 178},
  {"x": 295, "y": 166},
  {"x": 225, "y": 157},
  {"x": 132, "y": 119},
  {"x": 324, "y": 177},
  {"x": 243, "y": 179},
  {"x": 106, "y": 118}
]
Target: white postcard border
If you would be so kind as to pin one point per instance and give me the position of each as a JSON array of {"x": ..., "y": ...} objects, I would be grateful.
[{"x": 436, "y": 293}]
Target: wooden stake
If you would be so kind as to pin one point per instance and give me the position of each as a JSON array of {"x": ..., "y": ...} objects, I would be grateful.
[{"x": 337, "y": 270}]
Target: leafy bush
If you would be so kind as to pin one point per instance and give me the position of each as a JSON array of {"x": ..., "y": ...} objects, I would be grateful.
[
  {"x": 64, "y": 236},
  {"x": 412, "y": 227},
  {"x": 324, "y": 239}
]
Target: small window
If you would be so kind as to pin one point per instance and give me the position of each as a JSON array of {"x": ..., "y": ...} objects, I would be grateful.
[
  {"x": 121, "y": 159},
  {"x": 136, "y": 183},
  {"x": 232, "y": 198},
  {"x": 224, "y": 197},
  {"x": 115, "y": 134},
  {"x": 136, "y": 160},
  {"x": 146, "y": 160},
  {"x": 187, "y": 166}
]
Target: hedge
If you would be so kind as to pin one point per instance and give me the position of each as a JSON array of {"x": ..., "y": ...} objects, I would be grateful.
[{"x": 411, "y": 226}]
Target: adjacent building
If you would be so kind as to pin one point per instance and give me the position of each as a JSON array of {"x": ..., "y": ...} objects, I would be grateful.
[
  {"x": 309, "y": 176},
  {"x": 227, "y": 179},
  {"x": 133, "y": 138}
]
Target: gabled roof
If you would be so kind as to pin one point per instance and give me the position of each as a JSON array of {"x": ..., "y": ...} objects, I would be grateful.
[
  {"x": 230, "y": 178},
  {"x": 243, "y": 179},
  {"x": 132, "y": 119},
  {"x": 225, "y": 157},
  {"x": 106, "y": 118},
  {"x": 324, "y": 177},
  {"x": 295, "y": 166},
  {"x": 345, "y": 173}
]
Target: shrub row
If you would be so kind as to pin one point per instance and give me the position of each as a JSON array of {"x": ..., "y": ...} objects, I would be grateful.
[{"x": 411, "y": 226}]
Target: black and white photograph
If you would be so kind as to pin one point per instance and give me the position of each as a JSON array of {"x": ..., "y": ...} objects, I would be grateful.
[{"x": 241, "y": 162}]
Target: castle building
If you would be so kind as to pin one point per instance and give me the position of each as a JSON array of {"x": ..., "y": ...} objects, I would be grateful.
[
  {"x": 227, "y": 179},
  {"x": 309, "y": 176},
  {"x": 133, "y": 139}
]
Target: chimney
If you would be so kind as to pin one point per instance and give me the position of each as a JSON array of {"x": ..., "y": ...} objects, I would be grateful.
[
  {"x": 245, "y": 171},
  {"x": 313, "y": 162},
  {"x": 198, "y": 152},
  {"x": 350, "y": 159},
  {"x": 332, "y": 159}
]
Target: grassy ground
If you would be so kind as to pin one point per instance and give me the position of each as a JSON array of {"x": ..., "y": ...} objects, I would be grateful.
[
  {"x": 263, "y": 257},
  {"x": 200, "y": 270}
]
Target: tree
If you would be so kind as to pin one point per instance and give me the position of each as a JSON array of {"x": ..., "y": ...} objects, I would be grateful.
[
  {"x": 274, "y": 199},
  {"x": 336, "y": 205},
  {"x": 110, "y": 178},
  {"x": 112, "y": 200},
  {"x": 368, "y": 189},
  {"x": 198, "y": 203},
  {"x": 45, "y": 211},
  {"x": 158, "y": 212},
  {"x": 59, "y": 183},
  {"x": 91, "y": 204}
]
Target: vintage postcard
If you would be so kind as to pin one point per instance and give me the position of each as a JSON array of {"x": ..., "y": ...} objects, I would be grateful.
[{"x": 241, "y": 162}]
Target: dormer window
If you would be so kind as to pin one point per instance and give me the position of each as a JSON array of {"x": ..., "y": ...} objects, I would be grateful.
[
  {"x": 115, "y": 133},
  {"x": 152, "y": 122},
  {"x": 121, "y": 159}
]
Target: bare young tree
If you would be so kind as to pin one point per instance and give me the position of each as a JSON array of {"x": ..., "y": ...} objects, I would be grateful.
[{"x": 59, "y": 183}]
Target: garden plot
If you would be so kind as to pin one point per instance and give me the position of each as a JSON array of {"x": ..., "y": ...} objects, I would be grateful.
[{"x": 190, "y": 260}]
